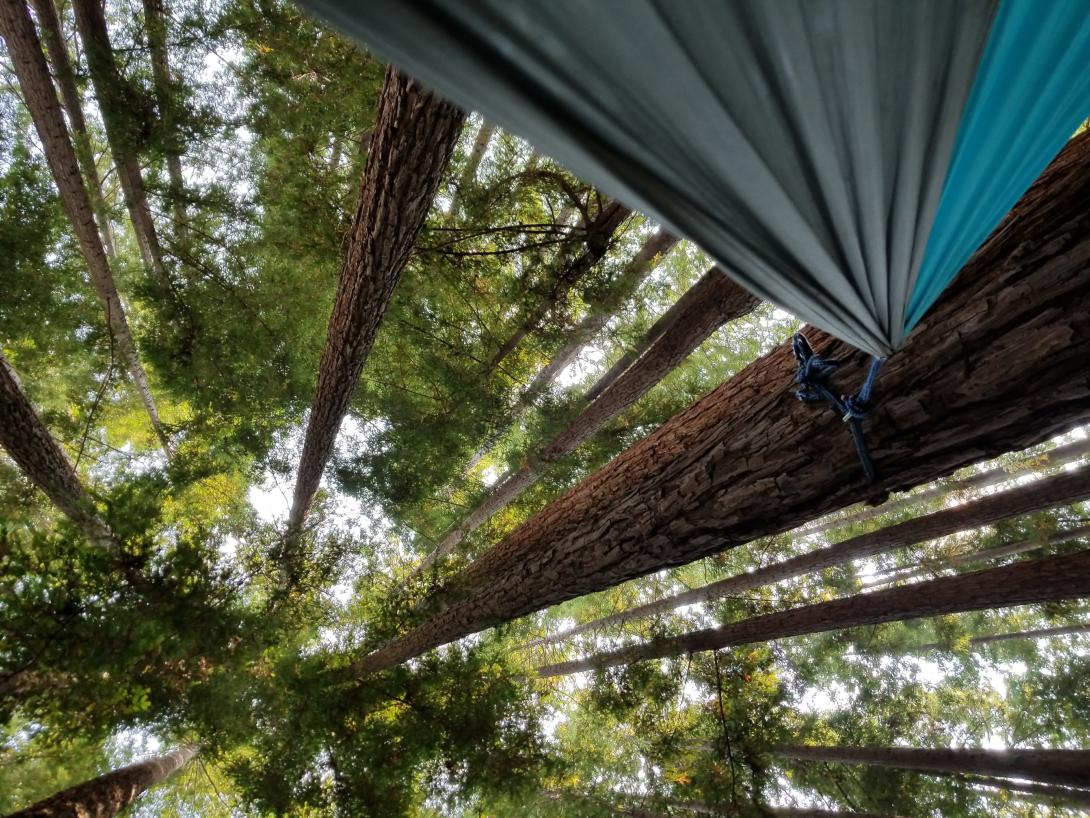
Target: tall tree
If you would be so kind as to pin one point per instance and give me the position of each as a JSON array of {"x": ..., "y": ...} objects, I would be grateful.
[
  {"x": 1059, "y": 490},
  {"x": 1036, "y": 633},
  {"x": 748, "y": 460},
  {"x": 108, "y": 794},
  {"x": 43, "y": 461},
  {"x": 1065, "y": 767},
  {"x": 711, "y": 302},
  {"x": 408, "y": 152},
  {"x": 120, "y": 115},
  {"x": 1045, "y": 580},
  {"x": 469, "y": 169},
  {"x": 57, "y": 49},
  {"x": 18, "y": 31}
]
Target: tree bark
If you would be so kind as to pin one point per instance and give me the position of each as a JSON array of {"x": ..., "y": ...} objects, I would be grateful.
[
  {"x": 1071, "y": 797},
  {"x": 1039, "y": 633},
  {"x": 409, "y": 150},
  {"x": 57, "y": 49},
  {"x": 597, "y": 238},
  {"x": 41, "y": 98},
  {"x": 1065, "y": 767},
  {"x": 997, "y": 552},
  {"x": 43, "y": 461},
  {"x": 1050, "y": 492},
  {"x": 108, "y": 794},
  {"x": 1061, "y": 455},
  {"x": 628, "y": 280},
  {"x": 156, "y": 29},
  {"x": 711, "y": 302},
  {"x": 121, "y": 131},
  {"x": 749, "y": 460},
  {"x": 1045, "y": 580},
  {"x": 469, "y": 170}
]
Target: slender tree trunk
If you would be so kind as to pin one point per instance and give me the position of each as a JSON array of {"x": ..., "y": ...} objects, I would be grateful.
[
  {"x": 42, "y": 460},
  {"x": 711, "y": 302},
  {"x": 628, "y": 280},
  {"x": 1079, "y": 797},
  {"x": 826, "y": 813},
  {"x": 409, "y": 150},
  {"x": 1039, "y": 633},
  {"x": 598, "y": 236},
  {"x": 1061, "y": 455},
  {"x": 749, "y": 460},
  {"x": 156, "y": 29},
  {"x": 66, "y": 81},
  {"x": 1065, "y": 767},
  {"x": 997, "y": 552},
  {"x": 41, "y": 98},
  {"x": 121, "y": 131},
  {"x": 108, "y": 794},
  {"x": 469, "y": 170},
  {"x": 1050, "y": 492},
  {"x": 1045, "y": 580}
]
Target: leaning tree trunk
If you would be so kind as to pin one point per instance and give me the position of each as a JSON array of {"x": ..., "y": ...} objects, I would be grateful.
[
  {"x": 409, "y": 150},
  {"x": 156, "y": 29},
  {"x": 108, "y": 794},
  {"x": 1061, "y": 455},
  {"x": 749, "y": 460},
  {"x": 1079, "y": 797},
  {"x": 633, "y": 274},
  {"x": 43, "y": 461},
  {"x": 41, "y": 98},
  {"x": 991, "y": 639},
  {"x": 1046, "y": 580},
  {"x": 469, "y": 169},
  {"x": 710, "y": 303},
  {"x": 1062, "y": 489},
  {"x": 599, "y": 234},
  {"x": 996, "y": 552},
  {"x": 1066, "y": 767},
  {"x": 66, "y": 81},
  {"x": 122, "y": 131}
]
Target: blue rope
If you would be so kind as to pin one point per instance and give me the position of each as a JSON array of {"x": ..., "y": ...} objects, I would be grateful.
[{"x": 813, "y": 377}]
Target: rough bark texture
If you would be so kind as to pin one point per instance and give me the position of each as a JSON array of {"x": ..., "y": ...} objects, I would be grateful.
[
  {"x": 469, "y": 170},
  {"x": 66, "y": 81},
  {"x": 1061, "y": 455},
  {"x": 156, "y": 29},
  {"x": 1039, "y": 633},
  {"x": 1044, "y": 580},
  {"x": 1067, "y": 767},
  {"x": 628, "y": 280},
  {"x": 1050, "y": 492},
  {"x": 41, "y": 98},
  {"x": 1001, "y": 363},
  {"x": 711, "y": 302},
  {"x": 997, "y": 552},
  {"x": 409, "y": 150},
  {"x": 42, "y": 460},
  {"x": 598, "y": 235},
  {"x": 121, "y": 132},
  {"x": 108, "y": 794}
]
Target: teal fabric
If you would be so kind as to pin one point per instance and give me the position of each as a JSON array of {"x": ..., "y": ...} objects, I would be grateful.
[{"x": 1031, "y": 92}]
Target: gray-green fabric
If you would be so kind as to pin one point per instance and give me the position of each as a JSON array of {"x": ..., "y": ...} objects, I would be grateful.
[{"x": 802, "y": 143}]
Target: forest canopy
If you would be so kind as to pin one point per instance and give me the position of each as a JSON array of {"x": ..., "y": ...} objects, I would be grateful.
[{"x": 358, "y": 459}]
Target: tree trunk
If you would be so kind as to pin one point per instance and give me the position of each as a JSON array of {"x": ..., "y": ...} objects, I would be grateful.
[
  {"x": 122, "y": 131},
  {"x": 997, "y": 552},
  {"x": 81, "y": 137},
  {"x": 409, "y": 150},
  {"x": 43, "y": 461},
  {"x": 41, "y": 98},
  {"x": 710, "y": 303},
  {"x": 825, "y": 813},
  {"x": 1045, "y": 580},
  {"x": 1062, "y": 489},
  {"x": 749, "y": 460},
  {"x": 1061, "y": 455},
  {"x": 1065, "y": 767},
  {"x": 1052, "y": 792},
  {"x": 108, "y": 794},
  {"x": 598, "y": 237},
  {"x": 1040, "y": 633},
  {"x": 628, "y": 280},
  {"x": 469, "y": 170},
  {"x": 156, "y": 29}
]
